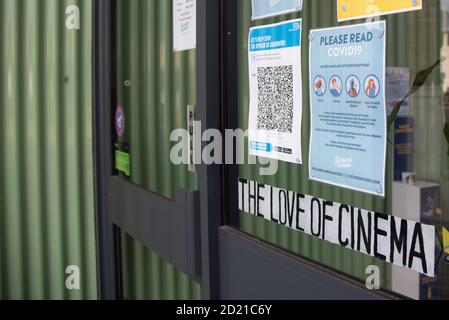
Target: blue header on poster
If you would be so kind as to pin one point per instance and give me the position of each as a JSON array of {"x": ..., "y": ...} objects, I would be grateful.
[{"x": 276, "y": 37}]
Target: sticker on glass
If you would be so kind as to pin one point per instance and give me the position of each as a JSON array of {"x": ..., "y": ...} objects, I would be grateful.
[
  {"x": 403, "y": 242},
  {"x": 120, "y": 121}
]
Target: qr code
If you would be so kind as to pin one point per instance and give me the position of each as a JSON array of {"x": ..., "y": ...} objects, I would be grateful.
[{"x": 275, "y": 103}]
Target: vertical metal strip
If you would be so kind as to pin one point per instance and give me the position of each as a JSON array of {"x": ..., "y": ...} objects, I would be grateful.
[
  {"x": 210, "y": 177},
  {"x": 108, "y": 236},
  {"x": 230, "y": 108}
]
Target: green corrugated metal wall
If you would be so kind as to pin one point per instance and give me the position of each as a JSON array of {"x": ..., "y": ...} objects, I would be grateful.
[
  {"x": 413, "y": 42},
  {"x": 46, "y": 166},
  {"x": 155, "y": 86}
]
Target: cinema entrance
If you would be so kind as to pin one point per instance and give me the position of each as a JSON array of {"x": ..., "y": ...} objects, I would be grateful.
[{"x": 358, "y": 204}]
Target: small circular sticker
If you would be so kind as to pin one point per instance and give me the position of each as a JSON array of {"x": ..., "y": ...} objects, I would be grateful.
[{"x": 120, "y": 121}]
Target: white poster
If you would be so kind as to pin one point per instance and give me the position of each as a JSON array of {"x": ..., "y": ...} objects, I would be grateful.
[
  {"x": 405, "y": 243},
  {"x": 184, "y": 25},
  {"x": 275, "y": 113}
]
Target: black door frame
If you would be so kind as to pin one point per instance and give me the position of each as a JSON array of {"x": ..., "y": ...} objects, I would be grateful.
[
  {"x": 208, "y": 68},
  {"x": 107, "y": 234}
]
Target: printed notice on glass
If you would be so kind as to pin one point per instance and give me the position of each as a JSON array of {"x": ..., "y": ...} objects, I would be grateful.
[
  {"x": 184, "y": 25},
  {"x": 275, "y": 91},
  {"x": 358, "y": 9},
  {"x": 348, "y": 112},
  {"x": 270, "y": 8}
]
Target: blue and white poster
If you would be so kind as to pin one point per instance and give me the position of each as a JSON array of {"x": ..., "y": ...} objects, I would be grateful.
[
  {"x": 275, "y": 111},
  {"x": 348, "y": 110},
  {"x": 270, "y": 8}
]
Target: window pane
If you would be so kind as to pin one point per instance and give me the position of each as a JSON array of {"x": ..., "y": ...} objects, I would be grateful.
[{"x": 417, "y": 173}]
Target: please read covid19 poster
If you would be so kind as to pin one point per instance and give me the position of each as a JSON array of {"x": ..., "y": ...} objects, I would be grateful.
[{"x": 348, "y": 111}]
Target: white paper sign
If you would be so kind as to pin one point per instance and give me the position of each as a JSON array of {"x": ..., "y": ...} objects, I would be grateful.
[
  {"x": 275, "y": 91},
  {"x": 398, "y": 241},
  {"x": 184, "y": 25}
]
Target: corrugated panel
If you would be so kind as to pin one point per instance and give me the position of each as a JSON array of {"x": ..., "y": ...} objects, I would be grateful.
[
  {"x": 146, "y": 276},
  {"x": 318, "y": 14},
  {"x": 154, "y": 86},
  {"x": 46, "y": 167}
]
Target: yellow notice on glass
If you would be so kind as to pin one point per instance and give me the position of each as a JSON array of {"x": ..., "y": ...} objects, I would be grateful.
[
  {"x": 357, "y": 9},
  {"x": 446, "y": 240}
]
